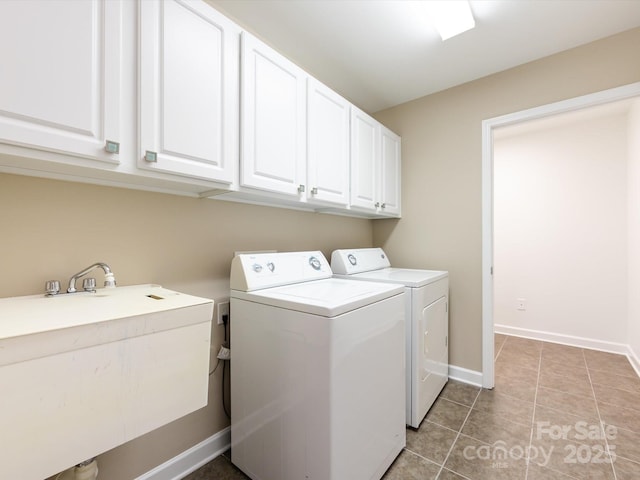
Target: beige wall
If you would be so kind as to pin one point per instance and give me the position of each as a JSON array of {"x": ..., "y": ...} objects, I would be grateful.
[
  {"x": 442, "y": 156},
  {"x": 52, "y": 229}
]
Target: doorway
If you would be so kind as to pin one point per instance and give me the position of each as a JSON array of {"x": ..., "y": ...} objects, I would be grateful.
[{"x": 488, "y": 127}]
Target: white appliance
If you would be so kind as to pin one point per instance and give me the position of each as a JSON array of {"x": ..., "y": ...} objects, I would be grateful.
[
  {"x": 317, "y": 370},
  {"x": 427, "y": 321}
]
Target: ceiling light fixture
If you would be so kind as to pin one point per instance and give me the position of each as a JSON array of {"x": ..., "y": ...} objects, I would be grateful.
[{"x": 449, "y": 17}]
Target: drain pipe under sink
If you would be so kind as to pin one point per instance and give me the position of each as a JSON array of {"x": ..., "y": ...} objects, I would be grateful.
[{"x": 87, "y": 470}]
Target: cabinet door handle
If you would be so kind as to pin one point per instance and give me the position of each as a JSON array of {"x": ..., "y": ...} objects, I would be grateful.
[
  {"x": 384, "y": 205},
  {"x": 314, "y": 191},
  {"x": 377, "y": 204},
  {"x": 301, "y": 189},
  {"x": 150, "y": 156},
  {"x": 111, "y": 147}
]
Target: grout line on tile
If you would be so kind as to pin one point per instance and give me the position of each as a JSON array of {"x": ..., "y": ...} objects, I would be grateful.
[
  {"x": 454, "y": 472},
  {"x": 423, "y": 458},
  {"x": 442, "y": 426},
  {"x": 457, "y": 403},
  {"x": 533, "y": 415},
  {"x": 499, "y": 349},
  {"x": 444, "y": 462},
  {"x": 602, "y": 432}
]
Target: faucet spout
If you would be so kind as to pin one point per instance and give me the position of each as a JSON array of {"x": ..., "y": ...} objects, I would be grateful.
[{"x": 109, "y": 279}]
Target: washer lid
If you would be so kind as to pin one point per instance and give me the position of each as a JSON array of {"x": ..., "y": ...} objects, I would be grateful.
[
  {"x": 328, "y": 298},
  {"x": 406, "y": 276}
]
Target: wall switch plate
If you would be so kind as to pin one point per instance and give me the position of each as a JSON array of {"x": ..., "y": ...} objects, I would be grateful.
[
  {"x": 521, "y": 303},
  {"x": 223, "y": 309}
]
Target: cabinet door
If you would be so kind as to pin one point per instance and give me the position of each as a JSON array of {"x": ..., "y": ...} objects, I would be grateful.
[
  {"x": 273, "y": 120},
  {"x": 327, "y": 145},
  {"x": 60, "y": 80},
  {"x": 188, "y": 90},
  {"x": 390, "y": 178},
  {"x": 365, "y": 160}
]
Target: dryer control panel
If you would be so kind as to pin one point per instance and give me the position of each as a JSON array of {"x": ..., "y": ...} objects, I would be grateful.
[
  {"x": 255, "y": 271},
  {"x": 358, "y": 260}
]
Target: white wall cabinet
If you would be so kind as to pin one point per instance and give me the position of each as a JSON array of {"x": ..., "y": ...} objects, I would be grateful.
[
  {"x": 390, "y": 173},
  {"x": 60, "y": 81},
  {"x": 365, "y": 160},
  {"x": 188, "y": 90},
  {"x": 155, "y": 94},
  {"x": 327, "y": 145},
  {"x": 273, "y": 120},
  {"x": 375, "y": 166}
]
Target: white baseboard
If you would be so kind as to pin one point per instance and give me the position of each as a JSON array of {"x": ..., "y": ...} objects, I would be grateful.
[
  {"x": 570, "y": 340},
  {"x": 465, "y": 376},
  {"x": 190, "y": 460},
  {"x": 633, "y": 358}
]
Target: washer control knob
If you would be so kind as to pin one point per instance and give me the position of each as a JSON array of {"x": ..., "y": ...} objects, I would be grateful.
[
  {"x": 315, "y": 263},
  {"x": 271, "y": 266},
  {"x": 352, "y": 259},
  {"x": 257, "y": 267}
]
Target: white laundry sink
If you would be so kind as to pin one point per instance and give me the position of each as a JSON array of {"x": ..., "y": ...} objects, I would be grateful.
[{"x": 83, "y": 373}]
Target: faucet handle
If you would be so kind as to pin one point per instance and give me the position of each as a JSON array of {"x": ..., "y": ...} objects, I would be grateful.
[
  {"x": 89, "y": 284},
  {"x": 52, "y": 287}
]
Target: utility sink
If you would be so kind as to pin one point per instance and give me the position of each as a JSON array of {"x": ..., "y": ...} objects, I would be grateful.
[{"x": 85, "y": 372}]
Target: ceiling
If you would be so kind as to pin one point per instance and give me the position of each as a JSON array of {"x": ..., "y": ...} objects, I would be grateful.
[{"x": 380, "y": 53}]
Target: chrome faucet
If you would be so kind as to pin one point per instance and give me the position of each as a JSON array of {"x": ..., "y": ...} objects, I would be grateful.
[{"x": 109, "y": 279}]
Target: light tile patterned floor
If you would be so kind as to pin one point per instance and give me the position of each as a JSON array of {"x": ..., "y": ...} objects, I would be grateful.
[{"x": 556, "y": 412}]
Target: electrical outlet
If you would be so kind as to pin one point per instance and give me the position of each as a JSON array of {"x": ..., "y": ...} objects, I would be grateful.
[
  {"x": 223, "y": 309},
  {"x": 521, "y": 303}
]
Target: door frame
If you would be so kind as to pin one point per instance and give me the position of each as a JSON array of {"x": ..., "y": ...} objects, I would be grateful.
[{"x": 564, "y": 106}]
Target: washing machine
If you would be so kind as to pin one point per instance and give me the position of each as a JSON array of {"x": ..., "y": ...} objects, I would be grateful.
[
  {"x": 427, "y": 321},
  {"x": 317, "y": 370}
]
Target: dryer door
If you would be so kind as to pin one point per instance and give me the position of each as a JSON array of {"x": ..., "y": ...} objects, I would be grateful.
[{"x": 432, "y": 353}]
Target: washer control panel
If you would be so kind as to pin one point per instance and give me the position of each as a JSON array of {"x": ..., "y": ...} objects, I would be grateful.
[
  {"x": 255, "y": 271},
  {"x": 348, "y": 262}
]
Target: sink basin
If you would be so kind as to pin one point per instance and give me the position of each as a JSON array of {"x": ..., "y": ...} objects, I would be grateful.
[{"x": 83, "y": 373}]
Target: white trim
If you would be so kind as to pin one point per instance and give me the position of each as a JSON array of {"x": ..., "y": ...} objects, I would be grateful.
[
  {"x": 190, "y": 460},
  {"x": 633, "y": 359},
  {"x": 570, "y": 340},
  {"x": 465, "y": 376},
  {"x": 599, "y": 98}
]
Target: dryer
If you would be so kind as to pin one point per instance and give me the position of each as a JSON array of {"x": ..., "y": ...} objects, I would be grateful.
[
  {"x": 427, "y": 321},
  {"x": 317, "y": 370}
]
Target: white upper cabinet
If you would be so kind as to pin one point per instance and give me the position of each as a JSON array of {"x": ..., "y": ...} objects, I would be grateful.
[
  {"x": 188, "y": 90},
  {"x": 375, "y": 166},
  {"x": 172, "y": 96},
  {"x": 60, "y": 80},
  {"x": 273, "y": 119},
  {"x": 390, "y": 169},
  {"x": 327, "y": 145},
  {"x": 365, "y": 160}
]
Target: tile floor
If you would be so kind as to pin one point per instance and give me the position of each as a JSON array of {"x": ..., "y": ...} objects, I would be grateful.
[{"x": 547, "y": 407}]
